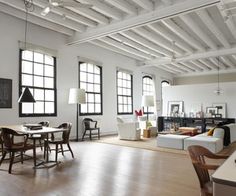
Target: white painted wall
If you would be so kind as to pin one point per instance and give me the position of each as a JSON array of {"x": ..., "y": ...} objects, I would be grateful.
[
  {"x": 195, "y": 95},
  {"x": 12, "y": 30}
]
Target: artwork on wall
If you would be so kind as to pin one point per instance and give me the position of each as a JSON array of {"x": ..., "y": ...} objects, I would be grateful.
[
  {"x": 175, "y": 108},
  {"x": 5, "y": 93},
  {"x": 221, "y": 109},
  {"x": 211, "y": 111}
]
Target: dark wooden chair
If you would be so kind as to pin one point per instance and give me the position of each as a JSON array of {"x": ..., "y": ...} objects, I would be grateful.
[
  {"x": 63, "y": 140},
  {"x": 87, "y": 124},
  {"x": 12, "y": 147},
  {"x": 198, "y": 155},
  {"x": 39, "y": 137}
]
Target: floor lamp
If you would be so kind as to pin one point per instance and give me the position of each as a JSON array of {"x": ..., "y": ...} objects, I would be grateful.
[
  {"x": 147, "y": 101},
  {"x": 77, "y": 96}
]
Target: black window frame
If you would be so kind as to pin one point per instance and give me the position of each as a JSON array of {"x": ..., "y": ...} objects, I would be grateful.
[
  {"x": 147, "y": 76},
  {"x": 33, "y": 87},
  {"x": 131, "y": 76},
  {"x": 101, "y": 90}
]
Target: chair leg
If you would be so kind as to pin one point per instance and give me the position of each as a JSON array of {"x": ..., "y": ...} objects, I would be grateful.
[
  {"x": 45, "y": 148},
  {"x": 99, "y": 133},
  {"x": 56, "y": 152},
  {"x": 34, "y": 156},
  {"x": 83, "y": 135},
  {"x": 40, "y": 143},
  {"x": 11, "y": 162},
  {"x": 3, "y": 156},
  {"x": 70, "y": 150},
  {"x": 21, "y": 157},
  {"x": 62, "y": 151},
  {"x": 90, "y": 135}
]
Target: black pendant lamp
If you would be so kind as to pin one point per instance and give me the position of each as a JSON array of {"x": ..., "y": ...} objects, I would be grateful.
[{"x": 26, "y": 97}]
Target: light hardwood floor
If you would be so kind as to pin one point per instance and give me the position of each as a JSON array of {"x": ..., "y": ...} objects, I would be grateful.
[{"x": 104, "y": 170}]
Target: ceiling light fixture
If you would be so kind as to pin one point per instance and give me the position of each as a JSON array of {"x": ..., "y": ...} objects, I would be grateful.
[{"x": 45, "y": 11}]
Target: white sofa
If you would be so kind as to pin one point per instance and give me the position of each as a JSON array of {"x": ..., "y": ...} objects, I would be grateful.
[{"x": 128, "y": 130}]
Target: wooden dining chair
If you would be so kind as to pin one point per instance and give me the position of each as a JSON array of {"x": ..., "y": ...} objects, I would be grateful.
[
  {"x": 12, "y": 147},
  {"x": 63, "y": 140},
  {"x": 39, "y": 137},
  {"x": 198, "y": 155},
  {"x": 91, "y": 126}
]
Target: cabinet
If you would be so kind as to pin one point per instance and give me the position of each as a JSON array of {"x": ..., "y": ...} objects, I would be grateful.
[{"x": 167, "y": 123}]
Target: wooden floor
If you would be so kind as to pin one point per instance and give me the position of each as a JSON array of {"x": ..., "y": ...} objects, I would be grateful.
[{"x": 104, "y": 170}]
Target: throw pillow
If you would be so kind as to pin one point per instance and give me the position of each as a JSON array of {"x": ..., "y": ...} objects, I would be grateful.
[
  {"x": 210, "y": 132},
  {"x": 219, "y": 133}
]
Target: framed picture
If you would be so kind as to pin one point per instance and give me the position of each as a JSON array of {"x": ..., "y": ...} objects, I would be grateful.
[
  {"x": 212, "y": 111},
  {"x": 221, "y": 109},
  {"x": 175, "y": 108},
  {"x": 218, "y": 115},
  {"x": 5, "y": 93}
]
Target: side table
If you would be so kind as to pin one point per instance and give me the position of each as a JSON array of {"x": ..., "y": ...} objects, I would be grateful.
[{"x": 147, "y": 133}]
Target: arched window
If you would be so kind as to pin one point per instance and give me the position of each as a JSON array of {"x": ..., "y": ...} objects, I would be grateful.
[
  {"x": 165, "y": 83},
  {"x": 148, "y": 89}
]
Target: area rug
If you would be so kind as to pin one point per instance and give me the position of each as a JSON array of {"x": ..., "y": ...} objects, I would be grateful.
[
  {"x": 150, "y": 144},
  {"x": 144, "y": 143}
]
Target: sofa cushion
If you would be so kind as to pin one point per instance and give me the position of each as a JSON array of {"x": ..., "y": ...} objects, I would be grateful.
[
  {"x": 232, "y": 127},
  {"x": 218, "y": 133}
]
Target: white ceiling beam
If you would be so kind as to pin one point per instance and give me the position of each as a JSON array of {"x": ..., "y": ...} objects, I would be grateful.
[
  {"x": 35, "y": 20},
  {"x": 50, "y": 17},
  {"x": 229, "y": 22},
  {"x": 125, "y": 47},
  {"x": 69, "y": 14},
  {"x": 167, "y": 2},
  {"x": 153, "y": 37},
  {"x": 183, "y": 34},
  {"x": 220, "y": 64},
  {"x": 199, "y": 65},
  {"x": 192, "y": 66},
  {"x": 175, "y": 68},
  {"x": 199, "y": 55},
  {"x": 166, "y": 68},
  {"x": 91, "y": 14},
  {"x": 115, "y": 49},
  {"x": 171, "y": 37},
  {"x": 183, "y": 67},
  {"x": 135, "y": 45},
  {"x": 199, "y": 31},
  {"x": 145, "y": 42},
  {"x": 104, "y": 9},
  {"x": 207, "y": 20},
  {"x": 227, "y": 62},
  {"x": 208, "y": 63},
  {"x": 145, "y": 4},
  {"x": 124, "y": 6},
  {"x": 140, "y": 20}
]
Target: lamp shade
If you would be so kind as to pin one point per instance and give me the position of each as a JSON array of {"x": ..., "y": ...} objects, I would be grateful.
[
  {"x": 147, "y": 100},
  {"x": 76, "y": 95},
  {"x": 26, "y": 97}
]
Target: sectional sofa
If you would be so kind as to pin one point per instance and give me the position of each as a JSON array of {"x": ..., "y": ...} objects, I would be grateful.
[{"x": 214, "y": 143}]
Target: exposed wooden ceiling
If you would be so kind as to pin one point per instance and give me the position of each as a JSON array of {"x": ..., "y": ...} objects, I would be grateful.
[{"x": 178, "y": 36}]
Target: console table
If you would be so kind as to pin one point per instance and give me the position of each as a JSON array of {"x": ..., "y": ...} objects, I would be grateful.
[{"x": 202, "y": 123}]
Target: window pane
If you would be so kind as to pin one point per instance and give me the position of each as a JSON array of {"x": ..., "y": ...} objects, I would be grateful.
[
  {"x": 49, "y": 60},
  {"x": 83, "y": 86},
  {"x": 83, "y": 108},
  {"x": 49, "y": 95},
  {"x": 27, "y": 55},
  {"x": 39, "y": 94},
  {"x": 90, "y": 98},
  {"x": 97, "y": 98},
  {"x": 49, "y": 83},
  {"x": 38, "y": 69},
  {"x": 83, "y": 76},
  {"x": 83, "y": 67},
  {"x": 119, "y": 74},
  {"x": 27, "y": 108},
  {"x": 97, "y": 79},
  {"x": 90, "y": 68},
  {"x": 38, "y": 81},
  {"x": 120, "y": 99},
  {"x": 97, "y": 108},
  {"x": 96, "y": 88},
  {"x": 125, "y": 108},
  {"x": 90, "y": 108},
  {"x": 49, "y": 71},
  {"x": 38, "y": 107},
  {"x": 90, "y": 78},
  {"x": 96, "y": 70},
  {"x": 38, "y": 57},
  {"x": 90, "y": 88},
  {"x": 119, "y": 91},
  {"x": 129, "y": 108},
  {"x": 120, "y": 108},
  {"x": 49, "y": 107},
  {"x": 27, "y": 67},
  {"x": 27, "y": 80},
  {"x": 119, "y": 82}
]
